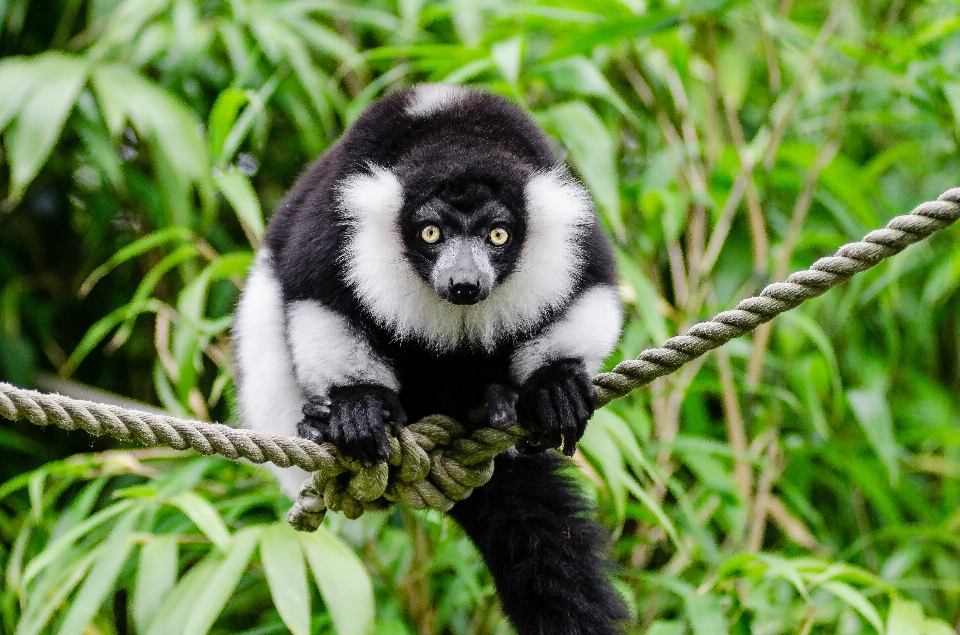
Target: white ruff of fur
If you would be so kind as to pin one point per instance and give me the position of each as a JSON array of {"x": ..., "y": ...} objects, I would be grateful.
[
  {"x": 588, "y": 330},
  {"x": 269, "y": 395},
  {"x": 558, "y": 211},
  {"x": 428, "y": 99}
]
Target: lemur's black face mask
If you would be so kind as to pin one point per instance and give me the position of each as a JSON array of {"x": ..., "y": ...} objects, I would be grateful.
[{"x": 463, "y": 241}]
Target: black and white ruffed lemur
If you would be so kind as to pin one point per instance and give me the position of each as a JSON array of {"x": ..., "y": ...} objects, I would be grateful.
[{"x": 439, "y": 259}]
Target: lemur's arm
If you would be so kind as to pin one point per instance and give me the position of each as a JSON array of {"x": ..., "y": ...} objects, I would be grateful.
[
  {"x": 554, "y": 369},
  {"x": 350, "y": 389}
]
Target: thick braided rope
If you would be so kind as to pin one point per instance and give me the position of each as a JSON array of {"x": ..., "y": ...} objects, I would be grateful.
[
  {"x": 776, "y": 298},
  {"x": 434, "y": 462}
]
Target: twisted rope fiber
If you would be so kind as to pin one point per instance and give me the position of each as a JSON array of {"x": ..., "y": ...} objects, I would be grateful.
[{"x": 435, "y": 462}]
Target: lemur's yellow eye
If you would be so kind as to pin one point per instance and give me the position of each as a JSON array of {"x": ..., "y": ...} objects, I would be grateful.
[
  {"x": 499, "y": 236},
  {"x": 430, "y": 234}
]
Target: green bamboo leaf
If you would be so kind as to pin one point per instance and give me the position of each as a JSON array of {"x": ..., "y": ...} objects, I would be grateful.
[
  {"x": 141, "y": 302},
  {"x": 103, "y": 156},
  {"x": 705, "y": 615},
  {"x": 660, "y": 627},
  {"x": 169, "y": 127},
  {"x": 905, "y": 618},
  {"x": 779, "y": 567},
  {"x": 593, "y": 152},
  {"x": 821, "y": 340},
  {"x": 35, "y": 493},
  {"x": 205, "y": 517},
  {"x": 18, "y": 78},
  {"x": 943, "y": 281},
  {"x": 873, "y": 412},
  {"x": 244, "y": 123},
  {"x": 102, "y": 576},
  {"x": 193, "y": 330},
  {"x": 951, "y": 90},
  {"x": 179, "y": 603},
  {"x": 238, "y": 190},
  {"x": 657, "y": 510},
  {"x": 222, "y": 583},
  {"x": 124, "y": 23},
  {"x": 648, "y": 300},
  {"x": 222, "y": 117},
  {"x": 614, "y": 30},
  {"x": 600, "y": 448},
  {"x": 932, "y": 626},
  {"x": 856, "y": 601},
  {"x": 286, "y": 572},
  {"x": 734, "y": 66},
  {"x": 58, "y": 79},
  {"x": 42, "y": 602},
  {"x": 133, "y": 250},
  {"x": 56, "y": 548},
  {"x": 156, "y": 575},
  {"x": 343, "y": 582},
  {"x": 101, "y": 328},
  {"x": 322, "y": 39},
  {"x": 580, "y": 75},
  {"x": 507, "y": 55},
  {"x": 82, "y": 505}
]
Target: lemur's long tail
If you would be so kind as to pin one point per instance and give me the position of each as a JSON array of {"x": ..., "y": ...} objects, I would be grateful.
[{"x": 545, "y": 555}]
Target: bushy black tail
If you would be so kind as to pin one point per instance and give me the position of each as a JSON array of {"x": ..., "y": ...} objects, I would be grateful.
[{"x": 545, "y": 556}]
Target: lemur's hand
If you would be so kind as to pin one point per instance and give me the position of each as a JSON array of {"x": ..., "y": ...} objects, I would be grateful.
[
  {"x": 558, "y": 400},
  {"x": 353, "y": 419}
]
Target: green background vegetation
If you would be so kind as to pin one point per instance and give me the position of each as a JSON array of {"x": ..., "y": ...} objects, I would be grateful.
[{"x": 801, "y": 481}]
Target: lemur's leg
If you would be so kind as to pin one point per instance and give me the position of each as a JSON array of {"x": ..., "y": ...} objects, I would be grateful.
[
  {"x": 268, "y": 393},
  {"x": 303, "y": 354},
  {"x": 553, "y": 369},
  {"x": 545, "y": 556},
  {"x": 350, "y": 389}
]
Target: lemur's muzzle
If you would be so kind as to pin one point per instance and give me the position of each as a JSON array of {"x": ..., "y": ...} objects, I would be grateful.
[{"x": 464, "y": 281}]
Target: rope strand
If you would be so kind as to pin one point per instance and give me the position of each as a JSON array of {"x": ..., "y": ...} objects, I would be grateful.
[{"x": 435, "y": 462}]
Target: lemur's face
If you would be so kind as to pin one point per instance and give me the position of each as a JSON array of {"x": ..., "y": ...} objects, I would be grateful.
[{"x": 463, "y": 242}]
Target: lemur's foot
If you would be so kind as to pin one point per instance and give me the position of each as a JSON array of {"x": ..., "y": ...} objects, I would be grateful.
[
  {"x": 353, "y": 418},
  {"x": 558, "y": 400}
]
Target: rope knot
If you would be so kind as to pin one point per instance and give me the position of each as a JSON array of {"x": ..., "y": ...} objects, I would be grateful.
[{"x": 433, "y": 463}]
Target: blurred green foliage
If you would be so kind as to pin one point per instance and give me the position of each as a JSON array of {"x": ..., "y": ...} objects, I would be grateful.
[{"x": 802, "y": 481}]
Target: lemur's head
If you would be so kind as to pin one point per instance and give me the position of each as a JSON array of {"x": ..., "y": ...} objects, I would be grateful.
[
  {"x": 463, "y": 227},
  {"x": 463, "y": 252},
  {"x": 457, "y": 239}
]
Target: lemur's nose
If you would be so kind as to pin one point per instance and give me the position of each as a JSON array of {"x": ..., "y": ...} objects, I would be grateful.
[{"x": 464, "y": 290}]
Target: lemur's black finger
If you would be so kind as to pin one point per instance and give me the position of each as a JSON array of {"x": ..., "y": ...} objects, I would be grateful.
[
  {"x": 568, "y": 420},
  {"x": 396, "y": 414},
  {"x": 308, "y": 429},
  {"x": 584, "y": 389},
  {"x": 335, "y": 430},
  {"x": 545, "y": 411},
  {"x": 365, "y": 413},
  {"x": 317, "y": 407},
  {"x": 578, "y": 402},
  {"x": 349, "y": 427},
  {"x": 378, "y": 446}
]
